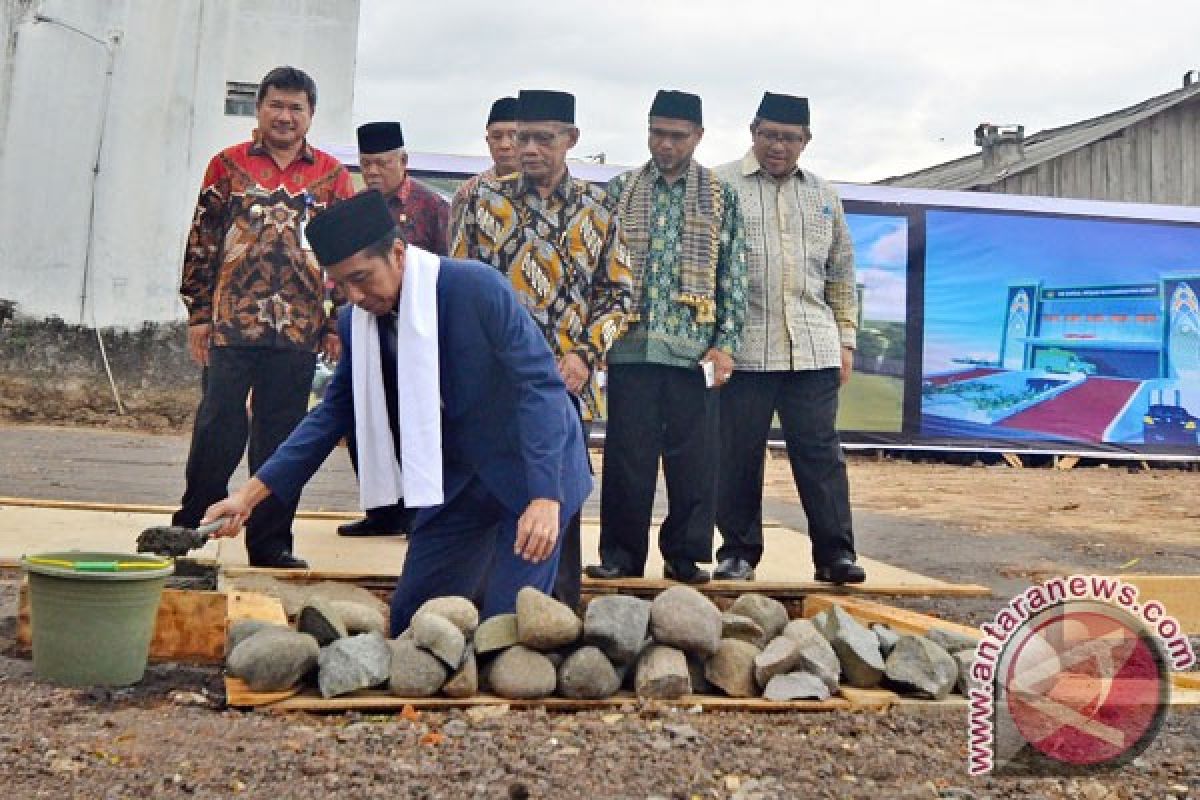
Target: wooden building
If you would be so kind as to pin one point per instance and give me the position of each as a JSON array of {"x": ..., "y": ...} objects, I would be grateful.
[{"x": 1147, "y": 153}]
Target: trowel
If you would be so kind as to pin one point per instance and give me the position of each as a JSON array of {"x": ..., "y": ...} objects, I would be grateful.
[{"x": 174, "y": 541}]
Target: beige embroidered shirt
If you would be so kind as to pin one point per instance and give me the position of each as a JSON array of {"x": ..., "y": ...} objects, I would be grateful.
[{"x": 802, "y": 305}]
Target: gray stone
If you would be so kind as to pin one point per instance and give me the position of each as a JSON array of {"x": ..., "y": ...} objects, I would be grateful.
[
  {"x": 920, "y": 666},
  {"x": 887, "y": 638},
  {"x": 857, "y": 648},
  {"x": 243, "y": 629},
  {"x": 770, "y": 614},
  {"x": 965, "y": 659},
  {"x": 520, "y": 673},
  {"x": 796, "y": 686},
  {"x": 360, "y": 618},
  {"x": 952, "y": 641},
  {"x": 273, "y": 659},
  {"x": 617, "y": 624},
  {"x": 496, "y": 633},
  {"x": 320, "y": 620},
  {"x": 439, "y": 636},
  {"x": 683, "y": 618},
  {"x": 817, "y": 655},
  {"x": 543, "y": 623},
  {"x": 700, "y": 684},
  {"x": 731, "y": 668},
  {"x": 353, "y": 663},
  {"x": 340, "y": 590},
  {"x": 465, "y": 682},
  {"x": 781, "y": 656},
  {"x": 415, "y": 672},
  {"x": 662, "y": 673},
  {"x": 587, "y": 674},
  {"x": 459, "y": 610},
  {"x": 736, "y": 626}
]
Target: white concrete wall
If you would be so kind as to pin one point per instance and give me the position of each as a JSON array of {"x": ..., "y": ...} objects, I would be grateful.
[{"x": 165, "y": 120}]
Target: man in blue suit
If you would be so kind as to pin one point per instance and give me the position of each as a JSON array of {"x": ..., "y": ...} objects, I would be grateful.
[{"x": 512, "y": 468}]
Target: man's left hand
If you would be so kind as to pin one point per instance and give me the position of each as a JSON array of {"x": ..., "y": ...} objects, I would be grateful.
[
  {"x": 847, "y": 364},
  {"x": 537, "y": 530},
  {"x": 574, "y": 371},
  {"x": 331, "y": 347}
]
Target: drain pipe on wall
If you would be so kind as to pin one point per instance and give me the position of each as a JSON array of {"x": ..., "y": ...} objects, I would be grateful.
[{"x": 110, "y": 45}]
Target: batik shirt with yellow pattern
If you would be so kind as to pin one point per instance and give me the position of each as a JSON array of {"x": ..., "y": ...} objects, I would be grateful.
[{"x": 565, "y": 255}]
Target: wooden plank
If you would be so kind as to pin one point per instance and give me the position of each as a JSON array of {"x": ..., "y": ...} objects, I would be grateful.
[
  {"x": 378, "y": 701},
  {"x": 1189, "y": 162},
  {"x": 239, "y": 695},
  {"x": 189, "y": 627},
  {"x": 1097, "y": 155},
  {"x": 255, "y": 606},
  {"x": 1179, "y": 595},
  {"x": 1143, "y": 142},
  {"x": 1065, "y": 463},
  {"x": 1169, "y": 185},
  {"x": 651, "y": 586},
  {"x": 899, "y": 619},
  {"x": 1113, "y": 173},
  {"x": 1013, "y": 460},
  {"x": 143, "y": 508}
]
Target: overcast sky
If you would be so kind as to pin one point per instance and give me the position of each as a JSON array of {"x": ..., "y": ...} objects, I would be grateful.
[{"x": 894, "y": 86}]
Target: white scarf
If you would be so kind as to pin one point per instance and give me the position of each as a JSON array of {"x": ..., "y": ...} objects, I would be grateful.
[{"x": 417, "y": 478}]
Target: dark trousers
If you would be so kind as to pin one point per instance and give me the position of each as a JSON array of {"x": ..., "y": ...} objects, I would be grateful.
[
  {"x": 281, "y": 381},
  {"x": 658, "y": 411},
  {"x": 568, "y": 582},
  {"x": 807, "y": 403},
  {"x": 396, "y": 516},
  {"x": 466, "y": 549}
]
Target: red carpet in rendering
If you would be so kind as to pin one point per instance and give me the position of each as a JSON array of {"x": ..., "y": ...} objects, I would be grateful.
[
  {"x": 965, "y": 375},
  {"x": 1081, "y": 413}
]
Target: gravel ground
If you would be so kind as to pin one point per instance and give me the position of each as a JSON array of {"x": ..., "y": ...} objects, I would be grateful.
[{"x": 171, "y": 736}]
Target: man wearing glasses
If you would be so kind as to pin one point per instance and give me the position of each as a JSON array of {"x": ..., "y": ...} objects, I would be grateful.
[
  {"x": 559, "y": 242},
  {"x": 797, "y": 348},
  {"x": 685, "y": 239}
]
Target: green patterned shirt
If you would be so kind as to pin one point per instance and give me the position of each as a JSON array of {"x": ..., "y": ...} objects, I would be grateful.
[{"x": 668, "y": 332}]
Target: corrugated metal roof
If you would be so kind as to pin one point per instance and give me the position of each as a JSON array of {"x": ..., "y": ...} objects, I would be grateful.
[{"x": 968, "y": 172}]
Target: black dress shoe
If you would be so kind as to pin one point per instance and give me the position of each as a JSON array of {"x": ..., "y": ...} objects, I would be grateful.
[
  {"x": 841, "y": 571},
  {"x": 284, "y": 560},
  {"x": 605, "y": 572},
  {"x": 734, "y": 569},
  {"x": 368, "y": 526},
  {"x": 685, "y": 572}
]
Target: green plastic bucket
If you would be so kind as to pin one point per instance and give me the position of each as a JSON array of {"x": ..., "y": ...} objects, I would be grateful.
[{"x": 93, "y": 615}]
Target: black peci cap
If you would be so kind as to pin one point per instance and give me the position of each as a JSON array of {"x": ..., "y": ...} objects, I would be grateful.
[
  {"x": 380, "y": 137},
  {"x": 783, "y": 108},
  {"x": 542, "y": 105},
  {"x": 347, "y": 227},
  {"x": 503, "y": 110},
  {"x": 677, "y": 105}
]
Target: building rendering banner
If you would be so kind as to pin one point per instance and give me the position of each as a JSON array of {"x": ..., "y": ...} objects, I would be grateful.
[{"x": 1030, "y": 324}]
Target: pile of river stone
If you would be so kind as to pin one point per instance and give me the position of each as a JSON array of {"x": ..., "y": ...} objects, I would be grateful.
[{"x": 680, "y": 643}]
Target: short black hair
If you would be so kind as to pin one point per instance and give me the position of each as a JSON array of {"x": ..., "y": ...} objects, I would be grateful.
[
  {"x": 384, "y": 244},
  {"x": 289, "y": 79}
]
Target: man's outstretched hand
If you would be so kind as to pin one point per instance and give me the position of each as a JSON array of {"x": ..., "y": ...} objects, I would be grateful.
[{"x": 236, "y": 508}]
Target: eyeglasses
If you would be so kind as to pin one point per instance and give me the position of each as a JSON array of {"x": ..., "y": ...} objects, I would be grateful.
[
  {"x": 540, "y": 138},
  {"x": 777, "y": 137}
]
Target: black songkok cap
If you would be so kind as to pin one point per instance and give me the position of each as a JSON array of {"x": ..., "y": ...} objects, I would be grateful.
[
  {"x": 379, "y": 137},
  {"x": 677, "y": 105},
  {"x": 543, "y": 105},
  {"x": 503, "y": 110},
  {"x": 344, "y": 228},
  {"x": 783, "y": 108}
]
